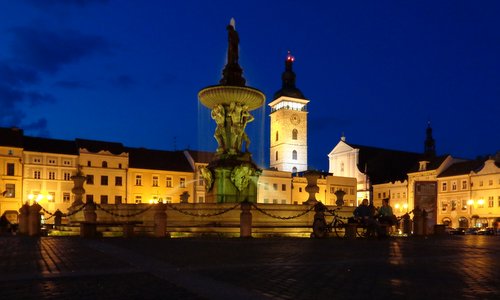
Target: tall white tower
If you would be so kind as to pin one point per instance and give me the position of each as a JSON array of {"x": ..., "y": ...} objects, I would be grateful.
[{"x": 288, "y": 125}]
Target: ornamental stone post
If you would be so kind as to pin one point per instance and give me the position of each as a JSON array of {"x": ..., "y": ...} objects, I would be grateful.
[
  {"x": 246, "y": 220},
  {"x": 418, "y": 228},
  {"x": 160, "y": 220},
  {"x": 24, "y": 219},
  {"x": 58, "y": 219},
  {"x": 34, "y": 220}
]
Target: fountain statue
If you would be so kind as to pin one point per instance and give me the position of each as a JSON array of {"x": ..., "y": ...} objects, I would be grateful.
[{"x": 232, "y": 175}]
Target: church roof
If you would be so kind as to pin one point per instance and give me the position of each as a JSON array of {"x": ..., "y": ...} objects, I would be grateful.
[
  {"x": 142, "y": 158},
  {"x": 385, "y": 165},
  {"x": 462, "y": 168}
]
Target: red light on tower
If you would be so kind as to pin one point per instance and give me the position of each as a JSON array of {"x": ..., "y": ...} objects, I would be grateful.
[{"x": 289, "y": 57}]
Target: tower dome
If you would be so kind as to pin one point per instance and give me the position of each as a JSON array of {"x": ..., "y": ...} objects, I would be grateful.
[{"x": 288, "y": 87}]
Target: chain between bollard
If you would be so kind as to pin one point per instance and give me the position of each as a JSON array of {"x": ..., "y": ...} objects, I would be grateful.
[
  {"x": 202, "y": 215},
  {"x": 282, "y": 218},
  {"x": 63, "y": 215},
  {"x": 120, "y": 215}
]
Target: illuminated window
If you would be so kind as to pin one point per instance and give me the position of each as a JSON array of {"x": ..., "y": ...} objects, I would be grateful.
[
  {"x": 67, "y": 176},
  {"x": 266, "y": 186},
  {"x": 138, "y": 180},
  {"x": 275, "y": 186},
  {"x": 480, "y": 183},
  {"x": 444, "y": 206},
  {"x": 490, "y": 182},
  {"x": 295, "y": 133},
  {"x": 182, "y": 182},
  {"x": 294, "y": 155},
  {"x": 491, "y": 201},
  {"x": 138, "y": 199},
  {"x": 168, "y": 199},
  {"x": 283, "y": 201},
  {"x": 454, "y": 186},
  {"x": 444, "y": 187},
  {"x": 155, "y": 180},
  {"x": 51, "y": 197},
  {"x": 10, "y": 190},
  {"x": 266, "y": 200},
  {"x": 275, "y": 201},
  {"x": 169, "y": 181},
  {"x": 464, "y": 205}
]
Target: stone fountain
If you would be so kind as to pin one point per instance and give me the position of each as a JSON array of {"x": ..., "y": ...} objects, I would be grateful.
[{"x": 232, "y": 175}]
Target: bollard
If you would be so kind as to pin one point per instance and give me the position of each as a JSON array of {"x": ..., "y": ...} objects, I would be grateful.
[
  {"x": 160, "y": 221},
  {"x": 245, "y": 220},
  {"x": 417, "y": 222},
  {"x": 24, "y": 219},
  {"x": 57, "y": 219},
  {"x": 406, "y": 224},
  {"x": 88, "y": 228},
  {"x": 35, "y": 221}
]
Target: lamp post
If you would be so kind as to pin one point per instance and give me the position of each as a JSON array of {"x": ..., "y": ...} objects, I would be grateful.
[{"x": 470, "y": 202}]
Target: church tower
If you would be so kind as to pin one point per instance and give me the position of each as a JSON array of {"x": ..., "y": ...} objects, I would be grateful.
[{"x": 288, "y": 150}]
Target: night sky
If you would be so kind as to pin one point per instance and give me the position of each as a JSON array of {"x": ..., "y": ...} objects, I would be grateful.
[{"x": 378, "y": 71}]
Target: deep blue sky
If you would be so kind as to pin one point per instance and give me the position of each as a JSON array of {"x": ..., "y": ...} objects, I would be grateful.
[{"x": 377, "y": 71}]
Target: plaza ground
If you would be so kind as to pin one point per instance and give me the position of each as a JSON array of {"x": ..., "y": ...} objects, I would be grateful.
[{"x": 444, "y": 267}]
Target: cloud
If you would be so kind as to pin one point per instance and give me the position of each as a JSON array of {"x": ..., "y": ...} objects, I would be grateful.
[
  {"x": 47, "y": 51},
  {"x": 52, "y": 3},
  {"x": 71, "y": 84},
  {"x": 38, "y": 128},
  {"x": 123, "y": 81},
  {"x": 16, "y": 76}
]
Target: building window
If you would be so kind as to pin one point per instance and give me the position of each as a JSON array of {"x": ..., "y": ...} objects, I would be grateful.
[
  {"x": 277, "y": 135},
  {"x": 275, "y": 201},
  {"x": 10, "y": 169},
  {"x": 155, "y": 180},
  {"x": 51, "y": 197},
  {"x": 294, "y": 170},
  {"x": 283, "y": 187},
  {"x": 37, "y": 174},
  {"x": 37, "y": 160},
  {"x": 182, "y": 182},
  {"x": 490, "y": 182},
  {"x": 104, "y": 199},
  {"x": 118, "y": 199},
  {"x": 67, "y": 176},
  {"x": 294, "y": 155},
  {"x": 266, "y": 186},
  {"x": 89, "y": 163},
  {"x": 480, "y": 183},
  {"x": 444, "y": 187},
  {"x": 295, "y": 133},
  {"x": 89, "y": 198},
  {"x": 491, "y": 201},
  {"x": 275, "y": 186},
  {"x": 276, "y": 155},
  {"x": 444, "y": 206},
  {"x": 10, "y": 190},
  {"x": 300, "y": 190},
  {"x": 169, "y": 181},
  {"x": 332, "y": 190},
  {"x": 201, "y": 199},
  {"x": 168, "y": 199},
  {"x": 266, "y": 200},
  {"x": 454, "y": 186},
  {"x": 90, "y": 179},
  {"x": 464, "y": 205},
  {"x": 464, "y": 184},
  {"x": 52, "y": 161},
  {"x": 66, "y": 197},
  {"x": 119, "y": 166},
  {"x": 104, "y": 164},
  {"x": 104, "y": 180},
  {"x": 118, "y": 181},
  {"x": 453, "y": 205},
  {"x": 138, "y": 199},
  {"x": 138, "y": 180},
  {"x": 52, "y": 175},
  {"x": 283, "y": 201},
  {"x": 67, "y": 162}
]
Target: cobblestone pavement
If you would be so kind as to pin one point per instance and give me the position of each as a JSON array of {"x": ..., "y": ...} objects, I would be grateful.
[{"x": 450, "y": 267}]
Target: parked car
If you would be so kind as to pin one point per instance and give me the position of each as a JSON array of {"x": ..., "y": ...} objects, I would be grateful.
[
  {"x": 471, "y": 230},
  {"x": 456, "y": 231},
  {"x": 486, "y": 231}
]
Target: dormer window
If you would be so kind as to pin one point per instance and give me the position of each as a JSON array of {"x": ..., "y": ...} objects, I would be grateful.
[{"x": 423, "y": 165}]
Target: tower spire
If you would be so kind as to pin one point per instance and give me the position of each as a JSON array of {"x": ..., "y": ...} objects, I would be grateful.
[
  {"x": 429, "y": 144},
  {"x": 288, "y": 87}
]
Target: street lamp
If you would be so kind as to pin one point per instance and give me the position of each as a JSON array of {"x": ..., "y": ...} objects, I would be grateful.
[{"x": 470, "y": 202}]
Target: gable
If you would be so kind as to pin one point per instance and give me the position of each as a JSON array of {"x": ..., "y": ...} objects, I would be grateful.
[{"x": 341, "y": 147}]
